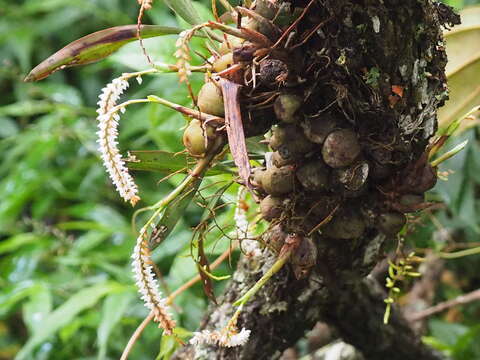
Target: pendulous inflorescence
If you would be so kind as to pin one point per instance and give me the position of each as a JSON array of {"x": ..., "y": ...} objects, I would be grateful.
[
  {"x": 108, "y": 140},
  {"x": 147, "y": 284}
]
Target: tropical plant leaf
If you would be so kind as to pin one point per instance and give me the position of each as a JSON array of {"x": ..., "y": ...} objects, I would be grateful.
[
  {"x": 185, "y": 9},
  {"x": 95, "y": 47},
  {"x": 113, "y": 309},
  {"x": 463, "y": 67},
  {"x": 463, "y": 45},
  {"x": 168, "y": 162},
  {"x": 464, "y": 91},
  {"x": 173, "y": 213},
  {"x": 65, "y": 313}
]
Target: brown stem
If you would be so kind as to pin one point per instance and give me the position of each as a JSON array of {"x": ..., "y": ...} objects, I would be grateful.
[{"x": 460, "y": 300}]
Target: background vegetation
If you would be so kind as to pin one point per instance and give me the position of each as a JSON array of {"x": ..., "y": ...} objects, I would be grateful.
[{"x": 66, "y": 289}]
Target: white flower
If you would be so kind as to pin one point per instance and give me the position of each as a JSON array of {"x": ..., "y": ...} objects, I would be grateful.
[
  {"x": 227, "y": 337},
  {"x": 107, "y": 140},
  {"x": 238, "y": 339},
  {"x": 147, "y": 284}
]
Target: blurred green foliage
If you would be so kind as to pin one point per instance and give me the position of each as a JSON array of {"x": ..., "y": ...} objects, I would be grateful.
[{"x": 66, "y": 289}]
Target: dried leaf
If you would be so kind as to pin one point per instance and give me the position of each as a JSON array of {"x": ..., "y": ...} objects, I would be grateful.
[
  {"x": 234, "y": 125},
  {"x": 397, "y": 90}
]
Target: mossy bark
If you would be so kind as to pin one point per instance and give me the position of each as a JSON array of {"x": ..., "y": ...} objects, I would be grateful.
[{"x": 378, "y": 66}]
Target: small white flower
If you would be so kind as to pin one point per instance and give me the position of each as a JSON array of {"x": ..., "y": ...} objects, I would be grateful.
[
  {"x": 107, "y": 139},
  {"x": 147, "y": 284},
  {"x": 227, "y": 337},
  {"x": 238, "y": 339}
]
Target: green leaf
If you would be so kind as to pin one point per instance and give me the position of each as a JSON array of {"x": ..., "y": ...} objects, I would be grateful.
[
  {"x": 65, "y": 313},
  {"x": 38, "y": 307},
  {"x": 170, "y": 343},
  {"x": 18, "y": 241},
  {"x": 184, "y": 9},
  {"x": 27, "y": 108},
  {"x": 463, "y": 67},
  {"x": 446, "y": 333},
  {"x": 167, "y": 162},
  {"x": 14, "y": 294},
  {"x": 174, "y": 212},
  {"x": 113, "y": 309},
  {"x": 95, "y": 47},
  {"x": 8, "y": 127}
]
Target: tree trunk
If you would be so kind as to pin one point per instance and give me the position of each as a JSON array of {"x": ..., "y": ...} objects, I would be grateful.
[{"x": 379, "y": 68}]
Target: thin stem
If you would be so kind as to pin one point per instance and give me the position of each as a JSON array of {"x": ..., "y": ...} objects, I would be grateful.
[
  {"x": 228, "y": 6},
  {"x": 136, "y": 334},
  {"x": 459, "y": 254},
  {"x": 276, "y": 267},
  {"x": 460, "y": 300},
  {"x": 184, "y": 110},
  {"x": 161, "y": 67},
  {"x": 449, "y": 154}
]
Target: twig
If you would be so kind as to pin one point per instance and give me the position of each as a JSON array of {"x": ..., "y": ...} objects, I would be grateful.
[
  {"x": 294, "y": 24},
  {"x": 138, "y": 331},
  {"x": 460, "y": 300}
]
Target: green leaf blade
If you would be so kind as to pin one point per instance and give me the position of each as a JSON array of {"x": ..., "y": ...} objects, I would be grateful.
[
  {"x": 65, "y": 313},
  {"x": 95, "y": 47}
]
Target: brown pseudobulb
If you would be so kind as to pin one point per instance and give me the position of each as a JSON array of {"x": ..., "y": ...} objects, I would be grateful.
[
  {"x": 391, "y": 223},
  {"x": 316, "y": 130},
  {"x": 345, "y": 225},
  {"x": 313, "y": 176},
  {"x": 278, "y": 181},
  {"x": 341, "y": 148},
  {"x": 271, "y": 207},
  {"x": 286, "y": 107}
]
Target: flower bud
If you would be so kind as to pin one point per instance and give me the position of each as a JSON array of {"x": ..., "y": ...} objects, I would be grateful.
[
  {"x": 353, "y": 177},
  {"x": 279, "y": 161},
  {"x": 257, "y": 175},
  {"x": 304, "y": 258},
  {"x": 272, "y": 72},
  {"x": 290, "y": 141},
  {"x": 230, "y": 44},
  {"x": 223, "y": 62}
]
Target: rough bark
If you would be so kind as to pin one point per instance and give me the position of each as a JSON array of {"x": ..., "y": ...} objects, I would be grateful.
[{"x": 384, "y": 74}]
